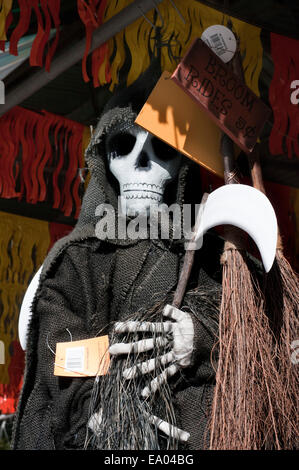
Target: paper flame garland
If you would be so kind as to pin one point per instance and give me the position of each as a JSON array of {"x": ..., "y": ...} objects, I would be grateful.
[
  {"x": 138, "y": 42},
  {"x": 40, "y": 154},
  {"x": 91, "y": 13},
  {"x": 24, "y": 243},
  {"x": 47, "y": 16}
]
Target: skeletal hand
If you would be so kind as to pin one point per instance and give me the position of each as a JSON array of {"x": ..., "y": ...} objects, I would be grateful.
[{"x": 181, "y": 333}]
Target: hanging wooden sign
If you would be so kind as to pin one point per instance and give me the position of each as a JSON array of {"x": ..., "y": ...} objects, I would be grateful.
[{"x": 227, "y": 100}]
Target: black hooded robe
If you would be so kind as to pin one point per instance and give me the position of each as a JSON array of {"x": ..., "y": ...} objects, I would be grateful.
[{"x": 86, "y": 284}]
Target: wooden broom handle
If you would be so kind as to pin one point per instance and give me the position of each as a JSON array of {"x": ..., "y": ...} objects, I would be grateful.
[
  {"x": 255, "y": 169},
  {"x": 188, "y": 263},
  {"x": 227, "y": 152},
  {"x": 254, "y": 156},
  {"x": 183, "y": 280},
  {"x": 234, "y": 238}
]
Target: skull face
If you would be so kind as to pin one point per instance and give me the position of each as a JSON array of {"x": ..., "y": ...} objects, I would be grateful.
[{"x": 143, "y": 166}]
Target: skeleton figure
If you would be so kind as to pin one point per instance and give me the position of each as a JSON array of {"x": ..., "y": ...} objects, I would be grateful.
[
  {"x": 143, "y": 166},
  {"x": 92, "y": 287},
  {"x": 159, "y": 389}
]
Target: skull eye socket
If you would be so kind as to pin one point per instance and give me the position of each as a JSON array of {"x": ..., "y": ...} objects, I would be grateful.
[
  {"x": 163, "y": 150},
  {"x": 121, "y": 144}
]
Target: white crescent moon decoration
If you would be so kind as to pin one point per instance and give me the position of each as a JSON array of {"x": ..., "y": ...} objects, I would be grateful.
[
  {"x": 26, "y": 312},
  {"x": 246, "y": 208}
]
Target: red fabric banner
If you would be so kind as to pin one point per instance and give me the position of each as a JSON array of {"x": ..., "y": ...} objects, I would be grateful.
[
  {"x": 285, "y": 132},
  {"x": 41, "y": 153}
]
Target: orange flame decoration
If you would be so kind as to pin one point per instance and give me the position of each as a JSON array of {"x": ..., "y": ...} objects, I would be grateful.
[
  {"x": 39, "y": 151},
  {"x": 9, "y": 392},
  {"x": 47, "y": 14},
  {"x": 285, "y": 132},
  {"x": 91, "y": 13}
]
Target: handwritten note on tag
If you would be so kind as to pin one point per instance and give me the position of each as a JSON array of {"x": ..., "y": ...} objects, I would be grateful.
[
  {"x": 85, "y": 358},
  {"x": 224, "y": 96}
]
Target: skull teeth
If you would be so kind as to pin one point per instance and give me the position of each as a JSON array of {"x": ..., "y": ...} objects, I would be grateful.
[
  {"x": 136, "y": 186},
  {"x": 143, "y": 191},
  {"x": 144, "y": 196}
]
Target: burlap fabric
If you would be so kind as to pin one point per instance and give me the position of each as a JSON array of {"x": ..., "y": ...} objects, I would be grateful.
[{"x": 87, "y": 283}]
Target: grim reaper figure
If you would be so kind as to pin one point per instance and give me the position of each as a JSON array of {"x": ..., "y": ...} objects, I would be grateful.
[{"x": 159, "y": 388}]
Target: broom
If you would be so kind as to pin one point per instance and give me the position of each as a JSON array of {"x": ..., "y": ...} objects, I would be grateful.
[
  {"x": 281, "y": 292},
  {"x": 242, "y": 404}
]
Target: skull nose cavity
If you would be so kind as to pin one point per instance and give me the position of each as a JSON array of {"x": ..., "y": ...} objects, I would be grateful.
[{"x": 143, "y": 161}]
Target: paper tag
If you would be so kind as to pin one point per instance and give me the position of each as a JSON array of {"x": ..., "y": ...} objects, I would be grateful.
[
  {"x": 221, "y": 40},
  {"x": 85, "y": 358}
]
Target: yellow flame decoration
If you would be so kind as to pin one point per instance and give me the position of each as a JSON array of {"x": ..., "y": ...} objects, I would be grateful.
[
  {"x": 5, "y": 7},
  {"x": 139, "y": 37},
  {"x": 23, "y": 246}
]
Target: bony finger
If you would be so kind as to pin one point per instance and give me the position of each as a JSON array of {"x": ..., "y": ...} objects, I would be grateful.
[
  {"x": 169, "y": 429},
  {"x": 148, "y": 366},
  {"x": 95, "y": 421},
  {"x": 134, "y": 326},
  {"x": 159, "y": 380},
  {"x": 120, "y": 348},
  {"x": 140, "y": 346},
  {"x": 173, "y": 312}
]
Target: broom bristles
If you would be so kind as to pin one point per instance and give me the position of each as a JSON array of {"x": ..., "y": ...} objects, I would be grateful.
[
  {"x": 255, "y": 398},
  {"x": 282, "y": 301},
  {"x": 243, "y": 412}
]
